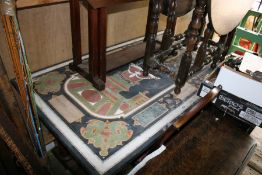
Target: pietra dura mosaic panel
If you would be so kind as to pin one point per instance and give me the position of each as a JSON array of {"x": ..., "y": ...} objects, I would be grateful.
[{"x": 117, "y": 117}]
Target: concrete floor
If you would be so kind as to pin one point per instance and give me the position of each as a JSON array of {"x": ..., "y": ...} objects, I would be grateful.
[{"x": 255, "y": 165}]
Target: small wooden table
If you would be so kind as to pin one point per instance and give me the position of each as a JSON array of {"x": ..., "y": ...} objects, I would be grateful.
[{"x": 97, "y": 27}]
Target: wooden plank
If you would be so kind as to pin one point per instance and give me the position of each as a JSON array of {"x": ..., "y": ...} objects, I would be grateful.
[
  {"x": 210, "y": 144},
  {"x": 124, "y": 56}
]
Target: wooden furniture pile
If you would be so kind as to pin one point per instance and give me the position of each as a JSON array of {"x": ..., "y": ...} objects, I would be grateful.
[
  {"x": 193, "y": 33},
  {"x": 96, "y": 73},
  {"x": 97, "y": 18}
]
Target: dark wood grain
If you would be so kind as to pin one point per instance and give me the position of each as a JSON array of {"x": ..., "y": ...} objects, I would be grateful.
[
  {"x": 182, "y": 7},
  {"x": 189, "y": 115},
  {"x": 102, "y": 33},
  {"x": 93, "y": 41},
  {"x": 155, "y": 5},
  {"x": 169, "y": 31},
  {"x": 125, "y": 56},
  {"x": 219, "y": 51},
  {"x": 212, "y": 144}
]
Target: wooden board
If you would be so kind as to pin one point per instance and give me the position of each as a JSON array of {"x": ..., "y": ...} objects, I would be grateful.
[
  {"x": 210, "y": 144},
  {"x": 124, "y": 56}
]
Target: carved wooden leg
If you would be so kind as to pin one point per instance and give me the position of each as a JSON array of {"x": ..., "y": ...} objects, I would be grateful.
[
  {"x": 219, "y": 51},
  {"x": 148, "y": 20},
  {"x": 195, "y": 24},
  {"x": 151, "y": 39},
  {"x": 75, "y": 31},
  {"x": 201, "y": 30},
  {"x": 169, "y": 31},
  {"x": 201, "y": 54},
  {"x": 226, "y": 45}
]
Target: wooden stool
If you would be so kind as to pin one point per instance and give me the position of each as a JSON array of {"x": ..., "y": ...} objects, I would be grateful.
[
  {"x": 172, "y": 9},
  {"x": 97, "y": 27}
]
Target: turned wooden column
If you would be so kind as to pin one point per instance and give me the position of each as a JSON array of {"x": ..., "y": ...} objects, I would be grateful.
[
  {"x": 223, "y": 47},
  {"x": 155, "y": 5},
  {"x": 202, "y": 51},
  {"x": 191, "y": 40},
  {"x": 149, "y": 13},
  {"x": 201, "y": 30},
  {"x": 170, "y": 27}
]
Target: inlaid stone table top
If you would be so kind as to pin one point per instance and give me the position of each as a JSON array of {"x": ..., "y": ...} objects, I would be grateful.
[{"x": 105, "y": 129}]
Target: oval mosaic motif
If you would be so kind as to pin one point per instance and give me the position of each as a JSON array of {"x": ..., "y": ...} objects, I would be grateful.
[
  {"x": 126, "y": 92},
  {"x": 91, "y": 95}
]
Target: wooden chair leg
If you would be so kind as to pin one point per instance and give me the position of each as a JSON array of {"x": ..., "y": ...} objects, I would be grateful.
[
  {"x": 148, "y": 20},
  {"x": 93, "y": 41},
  {"x": 102, "y": 43},
  {"x": 185, "y": 64},
  {"x": 201, "y": 53},
  {"x": 169, "y": 31},
  {"x": 201, "y": 30},
  {"x": 151, "y": 39},
  {"x": 174, "y": 26},
  {"x": 97, "y": 63},
  {"x": 75, "y": 31},
  {"x": 219, "y": 51}
]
